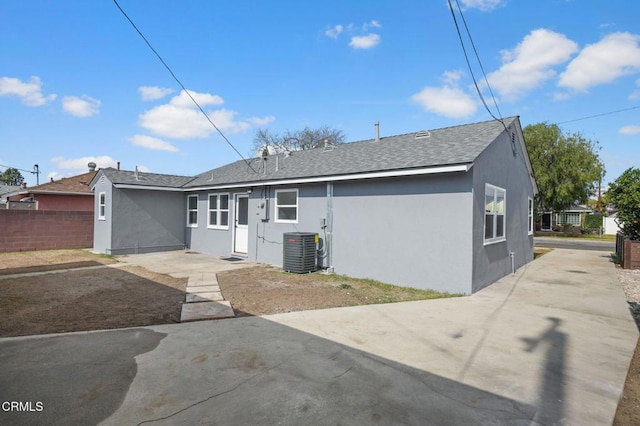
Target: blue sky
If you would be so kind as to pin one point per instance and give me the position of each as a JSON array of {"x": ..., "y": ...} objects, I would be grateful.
[{"x": 78, "y": 84}]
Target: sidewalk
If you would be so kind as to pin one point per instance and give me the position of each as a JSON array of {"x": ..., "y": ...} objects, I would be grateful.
[{"x": 549, "y": 345}]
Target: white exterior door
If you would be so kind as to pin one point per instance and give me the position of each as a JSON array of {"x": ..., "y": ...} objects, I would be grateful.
[{"x": 241, "y": 224}]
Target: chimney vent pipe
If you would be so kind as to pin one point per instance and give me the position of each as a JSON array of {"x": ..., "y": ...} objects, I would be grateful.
[{"x": 377, "y": 124}]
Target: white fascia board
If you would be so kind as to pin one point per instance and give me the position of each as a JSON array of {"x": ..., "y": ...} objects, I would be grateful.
[
  {"x": 148, "y": 188},
  {"x": 359, "y": 176}
]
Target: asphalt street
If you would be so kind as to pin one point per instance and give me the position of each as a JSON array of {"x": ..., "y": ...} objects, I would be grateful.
[{"x": 575, "y": 244}]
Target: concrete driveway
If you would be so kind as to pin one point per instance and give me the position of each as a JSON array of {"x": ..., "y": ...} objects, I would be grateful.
[{"x": 548, "y": 345}]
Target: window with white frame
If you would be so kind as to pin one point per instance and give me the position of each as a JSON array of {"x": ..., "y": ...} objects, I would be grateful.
[
  {"x": 286, "y": 206},
  {"x": 569, "y": 218},
  {"x": 494, "y": 214},
  {"x": 192, "y": 211},
  {"x": 530, "y": 215},
  {"x": 218, "y": 211},
  {"x": 102, "y": 206}
]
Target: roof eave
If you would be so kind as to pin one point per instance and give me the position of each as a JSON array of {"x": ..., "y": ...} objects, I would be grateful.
[
  {"x": 147, "y": 187},
  {"x": 465, "y": 167},
  {"x": 56, "y": 192}
]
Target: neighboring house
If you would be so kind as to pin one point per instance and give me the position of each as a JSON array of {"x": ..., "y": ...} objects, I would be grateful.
[
  {"x": 6, "y": 191},
  {"x": 448, "y": 209},
  {"x": 66, "y": 194},
  {"x": 574, "y": 216}
]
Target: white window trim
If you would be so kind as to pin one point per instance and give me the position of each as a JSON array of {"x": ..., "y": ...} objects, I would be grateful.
[
  {"x": 277, "y": 206},
  {"x": 218, "y": 210},
  {"x": 561, "y": 218},
  {"x": 102, "y": 206},
  {"x": 530, "y": 220},
  {"x": 192, "y": 225},
  {"x": 494, "y": 240}
]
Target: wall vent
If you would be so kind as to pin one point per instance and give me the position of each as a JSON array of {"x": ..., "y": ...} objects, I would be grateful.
[{"x": 422, "y": 134}]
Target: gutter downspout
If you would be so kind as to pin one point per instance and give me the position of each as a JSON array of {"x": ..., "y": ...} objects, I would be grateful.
[{"x": 329, "y": 241}]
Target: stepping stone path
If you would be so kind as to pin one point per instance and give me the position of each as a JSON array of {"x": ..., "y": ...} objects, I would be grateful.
[{"x": 204, "y": 299}]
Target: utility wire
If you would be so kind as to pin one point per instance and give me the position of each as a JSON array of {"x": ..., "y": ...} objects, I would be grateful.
[
  {"x": 484, "y": 74},
  {"x": 599, "y": 115},
  {"x": 487, "y": 81},
  {"x": 466, "y": 57},
  {"x": 182, "y": 85},
  {"x": 22, "y": 170}
]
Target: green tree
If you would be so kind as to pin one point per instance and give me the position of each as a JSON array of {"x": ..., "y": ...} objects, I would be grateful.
[
  {"x": 624, "y": 194},
  {"x": 11, "y": 176},
  {"x": 567, "y": 167},
  {"x": 298, "y": 140}
]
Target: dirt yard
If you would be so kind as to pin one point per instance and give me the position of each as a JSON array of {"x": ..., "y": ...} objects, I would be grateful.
[
  {"x": 87, "y": 295},
  {"x": 86, "y": 298},
  {"x": 90, "y": 298},
  {"x": 266, "y": 290}
]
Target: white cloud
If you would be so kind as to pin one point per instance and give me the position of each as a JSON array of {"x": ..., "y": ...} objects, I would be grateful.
[
  {"x": 262, "y": 121},
  {"x": 54, "y": 176},
  {"x": 334, "y": 31},
  {"x": 150, "y": 142},
  {"x": 81, "y": 164},
  {"x": 531, "y": 63},
  {"x": 630, "y": 130},
  {"x": 225, "y": 120},
  {"x": 152, "y": 93},
  {"x": 373, "y": 24},
  {"x": 365, "y": 42},
  {"x": 174, "y": 122},
  {"x": 83, "y": 106},
  {"x": 484, "y": 5},
  {"x": 358, "y": 40},
  {"x": 448, "y": 100},
  {"x": 614, "y": 56},
  {"x": 30, "y": 93},
  {"x": 181, "y": 119},
  {"x": 203, "y": 99}
]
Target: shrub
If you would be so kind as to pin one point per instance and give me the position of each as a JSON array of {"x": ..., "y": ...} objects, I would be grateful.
[
  {"x": 571, "y": 230},
  {"x": 624, "y": 193},
  {"x": 593, "y": 221}
]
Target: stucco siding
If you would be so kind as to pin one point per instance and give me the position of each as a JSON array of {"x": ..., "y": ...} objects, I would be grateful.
[
  {"x": 265, "y": 237},
  {"x": 406, "y": 231},
  {"x": 146, "y": 221},
  {"x": 209, "y": 240},
  {"x": 102, "y": 227},
  {"x": 503, "y": 165}
]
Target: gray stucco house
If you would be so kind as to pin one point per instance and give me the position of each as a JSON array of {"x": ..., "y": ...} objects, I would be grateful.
[{"x": 448, "y": 209}]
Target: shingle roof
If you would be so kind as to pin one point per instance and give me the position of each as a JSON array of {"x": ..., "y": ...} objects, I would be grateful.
[
  {"x": 125, "y": 177},
  {"x": 74, "y": 184},
  {"x": 8, "y": 189},
  {"x": 442, "y": 147}
]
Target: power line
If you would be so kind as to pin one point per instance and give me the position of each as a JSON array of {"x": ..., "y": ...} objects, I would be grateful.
[
  {"x": 484, "y": 74},
  {"x": 22, "y": 170},
  {"x": 35, "y": 171},
  {"x": 466, "y": 57},
  {"x": 600, "y": 115},
  {"x": 182, "y": 85}
]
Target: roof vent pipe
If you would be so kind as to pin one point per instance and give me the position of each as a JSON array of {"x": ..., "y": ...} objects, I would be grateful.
[
  {"x": 377, "y": 124},
  {"x": 92, "y": 166}
]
